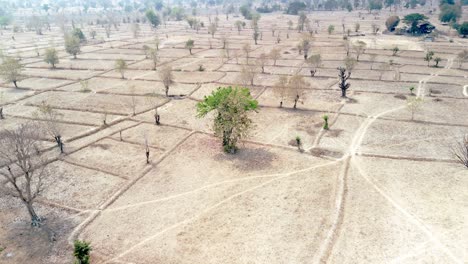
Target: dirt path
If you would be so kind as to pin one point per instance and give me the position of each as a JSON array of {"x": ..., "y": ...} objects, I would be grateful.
[
  {"x": 353, "y": 150},
  {"x": 203, "y": 212}
]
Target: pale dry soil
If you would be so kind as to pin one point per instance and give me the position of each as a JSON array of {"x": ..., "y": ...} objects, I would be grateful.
[{"x": 378, "y": 187}]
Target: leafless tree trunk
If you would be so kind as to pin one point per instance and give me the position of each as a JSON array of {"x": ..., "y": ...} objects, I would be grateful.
[
  {"x": 24, "y": 167},
  {"x": 147, "y": 150}
]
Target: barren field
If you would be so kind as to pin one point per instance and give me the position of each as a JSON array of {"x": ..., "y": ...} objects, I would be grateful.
[{"x": 379, "y": 186}]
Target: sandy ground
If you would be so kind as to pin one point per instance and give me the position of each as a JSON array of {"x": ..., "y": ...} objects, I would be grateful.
[{"x": 377, "y": 187}]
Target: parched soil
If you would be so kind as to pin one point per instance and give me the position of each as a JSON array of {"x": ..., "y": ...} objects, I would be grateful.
[{"x": 379, "y": 186}]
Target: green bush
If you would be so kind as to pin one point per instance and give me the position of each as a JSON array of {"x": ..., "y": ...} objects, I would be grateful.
[{"x": 81, "y": 252}]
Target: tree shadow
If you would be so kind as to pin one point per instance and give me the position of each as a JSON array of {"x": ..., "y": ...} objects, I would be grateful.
[
  {"x": 24, "y": 243},
  {"x": 248, "y": 158}
]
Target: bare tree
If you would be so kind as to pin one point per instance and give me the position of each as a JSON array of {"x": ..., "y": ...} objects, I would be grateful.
[
  {"x": 247, "y": 75},
  {"x": 225, "y": 41},
  {"x": 212, "y": 28},
  {"x": 359, "y": 49},
  {"x": 281, "y": 88},
  {"x": 247, "y": 49},
  {"x": 52, "y": 124},
  {"x": 262, "y": 61},
  {"x": 347, "y": 46},
  {"x": 460, "y": 151},
  {"x": 166, "y": 77},
  {"x": 239, "y": 26},
  {"x": 156, "y": 42},
  {"x": 24, "y": 168},
  {"x": 275, "y": 54},
  {"x": 343, "y": 78},
  {"x": 462, "y": 57},
  {"x": 314, "y": 61},
  {"x": 350, "y": 63},
  {"x": 147, "y": 149},
  {"x": 133, "y": 102},
  {"x": 296, "y": 88},
  {"x": 236, "y": 54},
  {"x": 305, "y": 44},
  {"x": 273, "y": 29},
  {"x": 384, "y": 67},
  {"x": 121, "y": 66},
  {"x": 413, "y": 105},
  {"x": 1, "y": 105},
  {"x": 135, "y": 27},
  {"x": 154, "y": 56}
]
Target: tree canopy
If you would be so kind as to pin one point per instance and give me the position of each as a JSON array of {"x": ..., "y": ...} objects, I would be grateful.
[
  {"x": 153, "y": 18},
  {"x": 450, "y": 13},
  {"x": 231, "y": 121}
]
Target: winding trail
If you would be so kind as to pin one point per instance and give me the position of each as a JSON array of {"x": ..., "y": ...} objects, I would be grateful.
[{"x": 353, "y": 150}]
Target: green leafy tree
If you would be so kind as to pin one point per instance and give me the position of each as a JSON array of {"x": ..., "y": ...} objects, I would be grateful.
[
  {"x": 295, "y": 7},
  {"x": 81, "y": 252},
  {"x": 450, "y": 13},
  {"x": 437, "y": 60},
  {"x": 4, "y": 21},
  {"x": 412, "y": 20},
  {"x": 325, "y": 124},
  {"x": 463, "y": 29},
  {"x": 246, "y": 12},
  {"x": 189, "y": 45},
  {"x": 10, "y": 70},
  {"x": 429, "y": 56},
  {"x": 330, "y": 29},
  {"x": 51, "y": 57},
  {"x": 72, "y": 45},
  {"x": 375, "y": 5},
  {"x": 153, "y": 18},
  {"x": 78, "y": 34},
  {"x": 231, "y": 107}
]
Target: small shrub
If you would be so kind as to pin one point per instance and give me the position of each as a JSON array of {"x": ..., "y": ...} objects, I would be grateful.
[
  {"x": 325, "y": 119},
  {"x": 298, "y": 142},
  {"x": 81, "y": 252}
]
